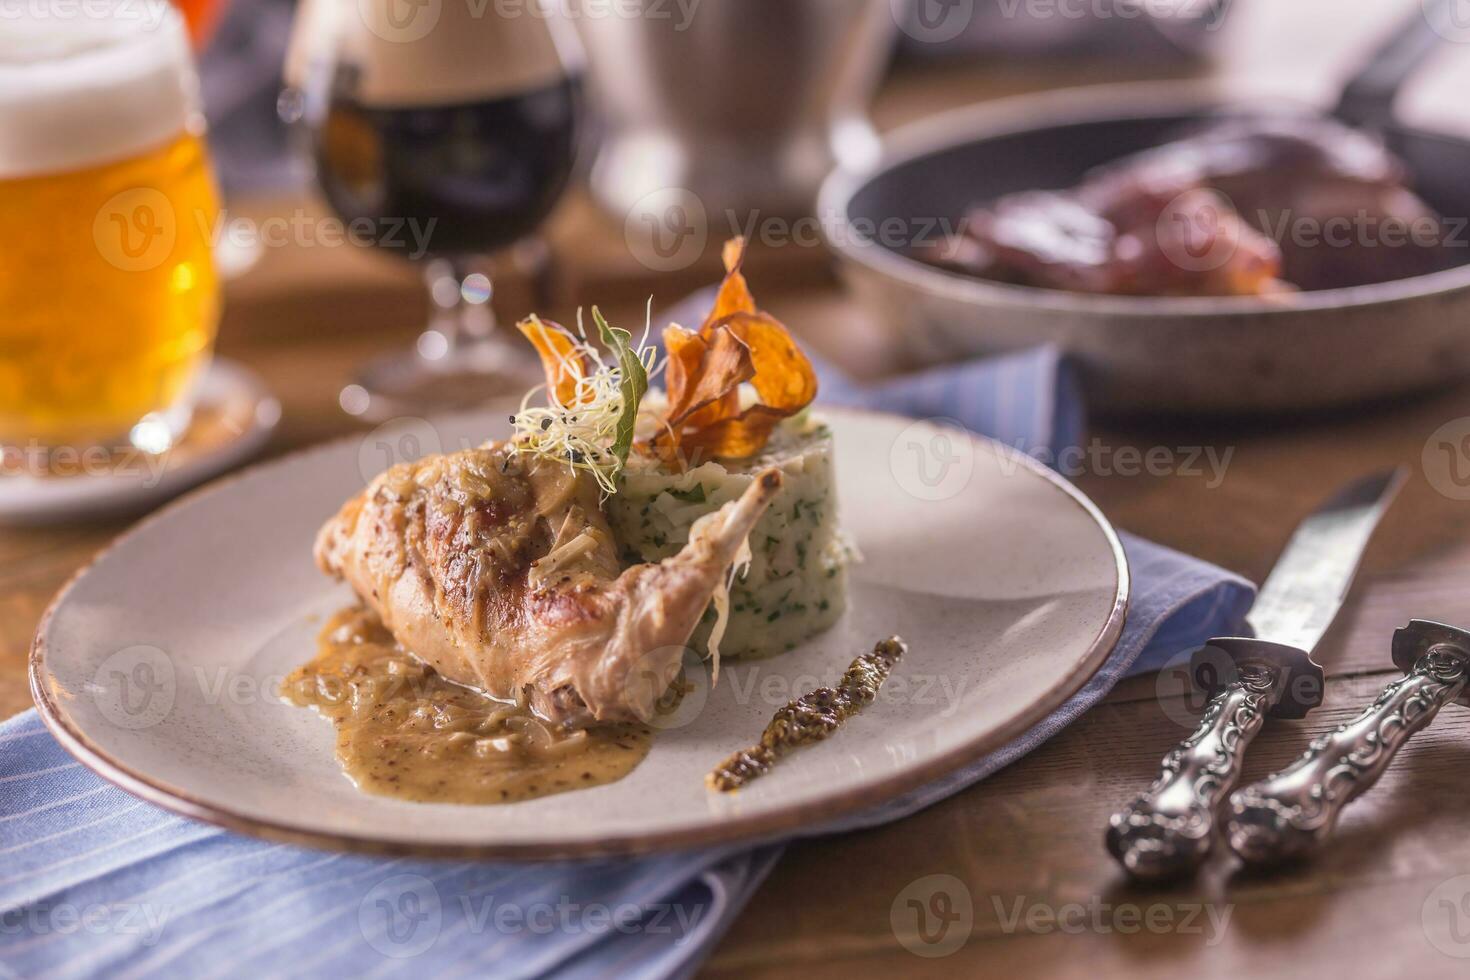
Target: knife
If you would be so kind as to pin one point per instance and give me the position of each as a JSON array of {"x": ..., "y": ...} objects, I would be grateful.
[
  {"x": 1295, "y": 810},
  {"x": 1169, "y": 830}
]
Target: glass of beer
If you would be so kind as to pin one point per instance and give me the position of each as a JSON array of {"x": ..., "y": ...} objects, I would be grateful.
[
  {"x": 440, "y": 133},
  {"x": 108, "y": 297}
]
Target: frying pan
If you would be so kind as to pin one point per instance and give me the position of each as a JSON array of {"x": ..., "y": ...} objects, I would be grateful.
[{"x": 1162, "y": 355}]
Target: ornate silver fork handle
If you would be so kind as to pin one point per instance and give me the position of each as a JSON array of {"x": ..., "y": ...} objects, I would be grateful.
[
  {"x": 1168, "y": 830},
  {"x": 1295, "y": 810}
]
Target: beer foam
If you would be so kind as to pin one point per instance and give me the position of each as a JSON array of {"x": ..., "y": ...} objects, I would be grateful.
[
  {"x": 108, "y": 82},
  {"x": 433, "y": 52}
]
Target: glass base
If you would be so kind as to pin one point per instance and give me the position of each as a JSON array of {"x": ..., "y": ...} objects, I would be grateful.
[
  {"x": 158, "y": 432},
  {"x": 155, "y": 434},
  {"x": 463, "y": 376}
]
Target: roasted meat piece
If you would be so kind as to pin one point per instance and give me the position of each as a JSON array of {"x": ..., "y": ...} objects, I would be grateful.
[
  {"x": 1187, "y": 242},
  {"x": 500, "y": 571},
  {"x": 1243, "y": 206}
]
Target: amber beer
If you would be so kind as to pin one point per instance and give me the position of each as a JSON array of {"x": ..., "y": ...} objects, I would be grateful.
[{"x": 108, "y": 295}]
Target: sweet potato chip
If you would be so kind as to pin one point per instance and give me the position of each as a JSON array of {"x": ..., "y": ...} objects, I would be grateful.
[
  {"x": 732, "y": 438},
  {"x": 734, "y": 295},
  {"x": 783, "y": 377},
  {"x": 735, "y": 344},
  {"x": 563, "y": 366},
  {"x": 684, "y": 350},
  {"x": 725, "y": 362}
]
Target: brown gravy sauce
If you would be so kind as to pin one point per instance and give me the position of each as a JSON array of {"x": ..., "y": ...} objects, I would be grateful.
[{"x": 404, "y": 731}]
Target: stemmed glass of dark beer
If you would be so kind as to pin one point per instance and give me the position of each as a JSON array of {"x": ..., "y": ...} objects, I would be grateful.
[{"x": 442, "y": 132}]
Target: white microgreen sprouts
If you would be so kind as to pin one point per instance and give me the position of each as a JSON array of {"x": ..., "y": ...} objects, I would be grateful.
[{"x": 583, "y": 433}]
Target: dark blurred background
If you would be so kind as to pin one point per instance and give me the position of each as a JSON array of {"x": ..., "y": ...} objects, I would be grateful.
[{"x": 1298, "y": 48}]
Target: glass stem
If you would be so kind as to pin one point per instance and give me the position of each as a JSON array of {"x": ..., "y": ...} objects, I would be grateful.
[{"x": 461, "y": 311}]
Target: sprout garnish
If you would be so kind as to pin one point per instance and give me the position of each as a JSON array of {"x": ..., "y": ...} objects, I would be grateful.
[{"x": 589, "y": 426}]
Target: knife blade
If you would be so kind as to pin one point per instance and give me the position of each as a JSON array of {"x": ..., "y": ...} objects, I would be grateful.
[
  {"x": 1303, "y": 593},
  {"x": 1170, "y": 828}
]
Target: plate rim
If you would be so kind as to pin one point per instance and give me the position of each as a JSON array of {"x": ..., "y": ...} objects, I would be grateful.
[{"x": 786, "y": 821}]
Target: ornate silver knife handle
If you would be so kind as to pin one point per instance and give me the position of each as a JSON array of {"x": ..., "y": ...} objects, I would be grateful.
[
  {"x": 1169, "y": 829},
  {"x": 1295, "y": 810}
]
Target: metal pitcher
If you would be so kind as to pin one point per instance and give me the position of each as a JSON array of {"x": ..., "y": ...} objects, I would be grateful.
[{"x": 744, "y": 104}]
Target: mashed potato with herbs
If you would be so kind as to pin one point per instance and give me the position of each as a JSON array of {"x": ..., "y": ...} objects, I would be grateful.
[{"x": 796, "y": 584}]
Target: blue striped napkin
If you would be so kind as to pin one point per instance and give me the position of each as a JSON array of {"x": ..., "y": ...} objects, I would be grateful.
[{"x": 94, "y": 882}]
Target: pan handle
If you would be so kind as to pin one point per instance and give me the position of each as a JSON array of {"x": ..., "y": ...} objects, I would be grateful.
[{"x": 1368, "y": 98}]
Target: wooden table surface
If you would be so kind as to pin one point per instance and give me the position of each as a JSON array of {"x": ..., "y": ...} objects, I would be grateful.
[{"x": 1027, "y": 842}]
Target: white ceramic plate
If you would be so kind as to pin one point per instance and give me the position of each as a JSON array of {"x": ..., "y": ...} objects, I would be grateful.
[{"x": 157, "y": 665}]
